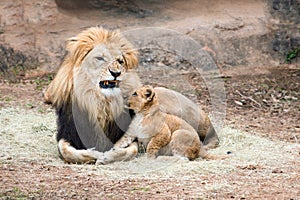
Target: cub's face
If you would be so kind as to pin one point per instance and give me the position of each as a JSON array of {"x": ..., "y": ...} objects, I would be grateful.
[
  {"x": 142, "y": 99},
  {"x": 105, "y": 66}
]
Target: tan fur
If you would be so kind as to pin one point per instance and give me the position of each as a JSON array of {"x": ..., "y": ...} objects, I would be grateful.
[
  {"x": 174, "y": 103},
  {"x": 160, "y": 133}
]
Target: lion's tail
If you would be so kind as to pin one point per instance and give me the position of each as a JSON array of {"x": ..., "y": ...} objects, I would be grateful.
[
  {"x": 206, "y": 155},
  {"x": 72, "y": 155}
]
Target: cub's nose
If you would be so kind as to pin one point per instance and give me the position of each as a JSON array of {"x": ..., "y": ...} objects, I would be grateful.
[{"x": 115, "y": 74}]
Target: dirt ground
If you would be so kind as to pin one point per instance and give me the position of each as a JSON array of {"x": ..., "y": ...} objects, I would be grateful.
[{"x": 261, "y": 129}]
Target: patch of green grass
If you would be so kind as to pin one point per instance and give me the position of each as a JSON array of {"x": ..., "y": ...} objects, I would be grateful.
[
  {"x": 14, "y": 193},
  {"x": 292, "y": 54},
  {"x": 39, "y": 83},
  {"x": 197, "y": 92},
  {"x": 265, "y": 86},
  {"x": 42, "y": 82},
  {"x": 6, "y": 99},
  {"x": 17, "y": 70},
  {"x": 29, "y": 105},
  {"x": 41, "y": 110},
  {"x": 141, "y": 189}
]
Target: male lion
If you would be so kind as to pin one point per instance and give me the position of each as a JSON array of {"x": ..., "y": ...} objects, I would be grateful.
[
  {"x": 89, "y": 93},
  {"x": 158, "y": 132}
]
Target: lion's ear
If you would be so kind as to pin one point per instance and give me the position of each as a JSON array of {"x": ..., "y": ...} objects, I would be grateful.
[{"x": 149, "y": 93}]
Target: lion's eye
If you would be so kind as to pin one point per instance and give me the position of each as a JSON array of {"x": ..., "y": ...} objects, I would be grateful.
[
  {"x": 100, "y": 58},
  {"x": 134, "y": 94},
  {"x": 121, "y": 62}
]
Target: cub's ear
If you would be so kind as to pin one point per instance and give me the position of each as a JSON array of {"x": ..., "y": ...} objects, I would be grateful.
[{"x": 149, "y": 93}]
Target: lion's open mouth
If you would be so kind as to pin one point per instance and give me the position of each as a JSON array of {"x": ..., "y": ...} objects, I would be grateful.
[{"x": 109, "y": 84}]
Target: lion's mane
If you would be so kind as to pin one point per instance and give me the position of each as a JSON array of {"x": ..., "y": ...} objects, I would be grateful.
[{"x": 77, "y": 49}]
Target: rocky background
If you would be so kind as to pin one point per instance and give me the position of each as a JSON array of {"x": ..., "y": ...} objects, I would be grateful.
[
  {"x": 285, "y": 18},
  {"x": 32, "y": 32}
]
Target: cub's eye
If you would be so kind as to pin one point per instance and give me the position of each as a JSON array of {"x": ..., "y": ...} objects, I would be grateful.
[
  {"x": 100, "y": 58},
  {"x": 134, "y": 94}
]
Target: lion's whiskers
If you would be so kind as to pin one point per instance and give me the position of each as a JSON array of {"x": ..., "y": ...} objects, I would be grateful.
[{"x": 127, "y": 107}]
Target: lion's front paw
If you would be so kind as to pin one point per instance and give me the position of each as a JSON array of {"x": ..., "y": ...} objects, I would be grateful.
[
  {"x": 101, "y": 158},
  {"x": 101, "y": 161},
  {"x": 94, "y": 153}
]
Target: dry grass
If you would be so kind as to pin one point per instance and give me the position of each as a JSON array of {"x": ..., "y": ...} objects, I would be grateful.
[
  {"x": 27, "y": 136},
  {"x": 259, "y": 168}
]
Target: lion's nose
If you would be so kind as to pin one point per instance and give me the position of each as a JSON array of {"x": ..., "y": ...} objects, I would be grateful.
[{"x": 115, "y": 74}]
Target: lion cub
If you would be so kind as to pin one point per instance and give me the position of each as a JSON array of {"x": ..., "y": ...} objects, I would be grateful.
[{"x": 161, "y": 133}]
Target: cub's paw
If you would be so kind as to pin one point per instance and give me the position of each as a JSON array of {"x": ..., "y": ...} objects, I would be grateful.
[
  {"x": 121, "y": 145},
  {"x": 151, "y": 156}
]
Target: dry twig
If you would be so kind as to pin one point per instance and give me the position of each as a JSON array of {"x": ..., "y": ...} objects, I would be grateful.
[{"x": 251, "y": 99}]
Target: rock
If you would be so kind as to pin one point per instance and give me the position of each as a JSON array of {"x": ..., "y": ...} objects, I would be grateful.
[{"x": 38, "y": 29}]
